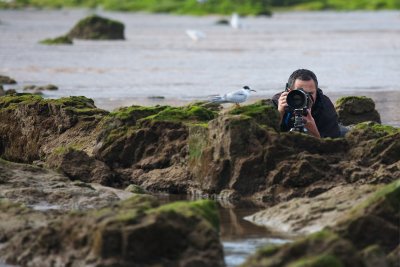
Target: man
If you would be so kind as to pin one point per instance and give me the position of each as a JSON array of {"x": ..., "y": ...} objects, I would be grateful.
[{"x": 321, "y": 119}]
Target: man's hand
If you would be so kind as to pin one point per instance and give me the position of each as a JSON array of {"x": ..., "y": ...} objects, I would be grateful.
[
  {"x": 310, "y": 124},
  {"x": 282, "y": 104}
]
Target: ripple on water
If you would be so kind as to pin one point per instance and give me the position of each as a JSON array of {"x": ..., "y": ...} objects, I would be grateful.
[{"x": 236, "y": 251}]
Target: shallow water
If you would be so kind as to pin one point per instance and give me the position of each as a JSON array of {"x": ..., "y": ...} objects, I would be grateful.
[{"x": 352, "y": 53}]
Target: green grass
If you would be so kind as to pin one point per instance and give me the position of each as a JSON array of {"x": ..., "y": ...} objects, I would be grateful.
[{"x": 244, "y": 7}]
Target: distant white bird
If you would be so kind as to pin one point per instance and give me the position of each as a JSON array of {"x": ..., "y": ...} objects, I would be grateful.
[
  {"x": 195, "y": 35},
  {"x": 235, "y": 21},
  {"x": 236, "y": 97}
]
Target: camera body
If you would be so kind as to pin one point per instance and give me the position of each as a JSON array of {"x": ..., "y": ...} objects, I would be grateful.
[{"x": 299, "y": 101}]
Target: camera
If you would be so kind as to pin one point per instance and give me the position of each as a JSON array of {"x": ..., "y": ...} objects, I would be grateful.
[
  {"x": 299, "y": 99},
  {"x": 298, "y": 102}
]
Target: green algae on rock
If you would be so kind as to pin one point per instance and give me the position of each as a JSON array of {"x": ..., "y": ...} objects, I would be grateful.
[
  {"x": 262, "y": 111},
  {"x": 369, "y": 228},
  {"x": 61, "y": 40},
  {"x": 356, "y": 109},
  {"x": 97, "y": 28},
  {"x": 131, "y": 232}
]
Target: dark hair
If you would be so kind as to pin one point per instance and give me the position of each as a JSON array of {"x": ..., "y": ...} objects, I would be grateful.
[{"x": 304, "y": 75}]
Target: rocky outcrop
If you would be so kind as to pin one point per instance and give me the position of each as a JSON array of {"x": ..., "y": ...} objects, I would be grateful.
[
  {"x": 46, "y": 218},
  {"x": 45, "y": 124},
  {"x": 6, "y": 80},
  {"x": 356, "y": 109},
  {"x": 365, "y": 236},
  {"x": 97, "y": 28},
  {"x": 134, "y": 232},
  {"x": 193, "y": 149}
]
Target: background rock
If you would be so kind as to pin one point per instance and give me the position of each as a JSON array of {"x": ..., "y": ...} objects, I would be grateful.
[
  {"x": 356, "y": 109},
  {"x": 97, "y": 28}
]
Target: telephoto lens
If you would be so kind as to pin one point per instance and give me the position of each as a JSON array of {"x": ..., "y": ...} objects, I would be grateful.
[{"x": 297, "y": 99}]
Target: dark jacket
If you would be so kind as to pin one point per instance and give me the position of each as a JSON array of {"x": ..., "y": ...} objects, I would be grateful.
[{"x": 323, "y": 112}]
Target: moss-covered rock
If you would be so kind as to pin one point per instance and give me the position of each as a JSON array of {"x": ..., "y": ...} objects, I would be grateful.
[
  {"x": 61, "y": 40},
  {"x": 365, "y": 235},
  {"x": 6, "y": 80},
  {"x": 356, "y": 109},
  {"x": 262, "y": 111},
  {"x": 97, "y": 28},
  {"x": 41, "y": 122},
  {"x": 132, "y": 232}
]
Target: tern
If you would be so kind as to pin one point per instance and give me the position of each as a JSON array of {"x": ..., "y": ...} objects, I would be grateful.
[
  {"x": 235, "y": 21},
  {"x": 236, "y": 97},
  {"x": 195, "y": 35}
]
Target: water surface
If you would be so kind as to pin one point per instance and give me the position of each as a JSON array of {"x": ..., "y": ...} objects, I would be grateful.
[{"x": 352, "y": 53}]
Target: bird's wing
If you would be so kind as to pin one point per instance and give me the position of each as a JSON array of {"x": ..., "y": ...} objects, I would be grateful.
[
  {"x": 219, "y": 99},
  {"x": 236, "y": 97}
]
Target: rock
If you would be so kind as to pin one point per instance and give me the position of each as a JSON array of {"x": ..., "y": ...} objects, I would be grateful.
[
  {"x": 6, "y": 80},
  {"x": 97, "y": 28},
  {"x": 11, "y": 92},
  {"x": 133, "y": 232},
  {"x": 263, "y": 112},
  {"x": 222, "y": 21},
  {"x": 49, "y": 87},
  {"x": 353, "y": 110},
  {"x": 135, "y": 189},
  {"x": 229, "y": 155},
  {"x": 362, "y": 237},
  {"x": 77, "y": 165},
  {"x": 43, "y": 189},
  {"x": 61, "y": 40},
  {"x": 45, "y": 124},
  {"x": 306, "y": 215},
  {"x": 2, "y": 92}
]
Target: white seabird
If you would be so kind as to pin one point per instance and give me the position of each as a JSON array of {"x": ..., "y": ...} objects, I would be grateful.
[
  {"x": 236, "y": 97},
  {"x": 235, "y": 21},
  {"x": 195, "y": 35}
]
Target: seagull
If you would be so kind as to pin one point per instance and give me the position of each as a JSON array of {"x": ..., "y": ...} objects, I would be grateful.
[
  {"x": 236, "y": 97},
  {"x": 195, "y": 35},
  {"x": 235, "y": 21}
]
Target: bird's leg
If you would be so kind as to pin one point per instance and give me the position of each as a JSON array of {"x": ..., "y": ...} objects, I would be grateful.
[{"x": 237, "y": 105}]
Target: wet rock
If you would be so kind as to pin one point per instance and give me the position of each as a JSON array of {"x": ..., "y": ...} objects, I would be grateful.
[
  {"x": 365, "y": 235},
  {"x": 43, "y": 189},
  {"x": 300, "y": 216},
  {"x": 97, "y": 28},
  {"x": 134, "y": 232},
  {"x": 6, "y": 80},
  {"x": 353, "y": 110}
]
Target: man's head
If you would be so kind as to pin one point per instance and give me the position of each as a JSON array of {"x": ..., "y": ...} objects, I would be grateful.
[{"x": 305, "y": 79}]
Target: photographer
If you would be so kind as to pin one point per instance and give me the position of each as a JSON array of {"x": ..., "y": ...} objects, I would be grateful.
[{"x": 319, "y": 117}]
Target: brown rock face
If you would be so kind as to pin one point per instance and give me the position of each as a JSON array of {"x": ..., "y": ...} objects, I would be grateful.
[{"x": 232, "y": 156}]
